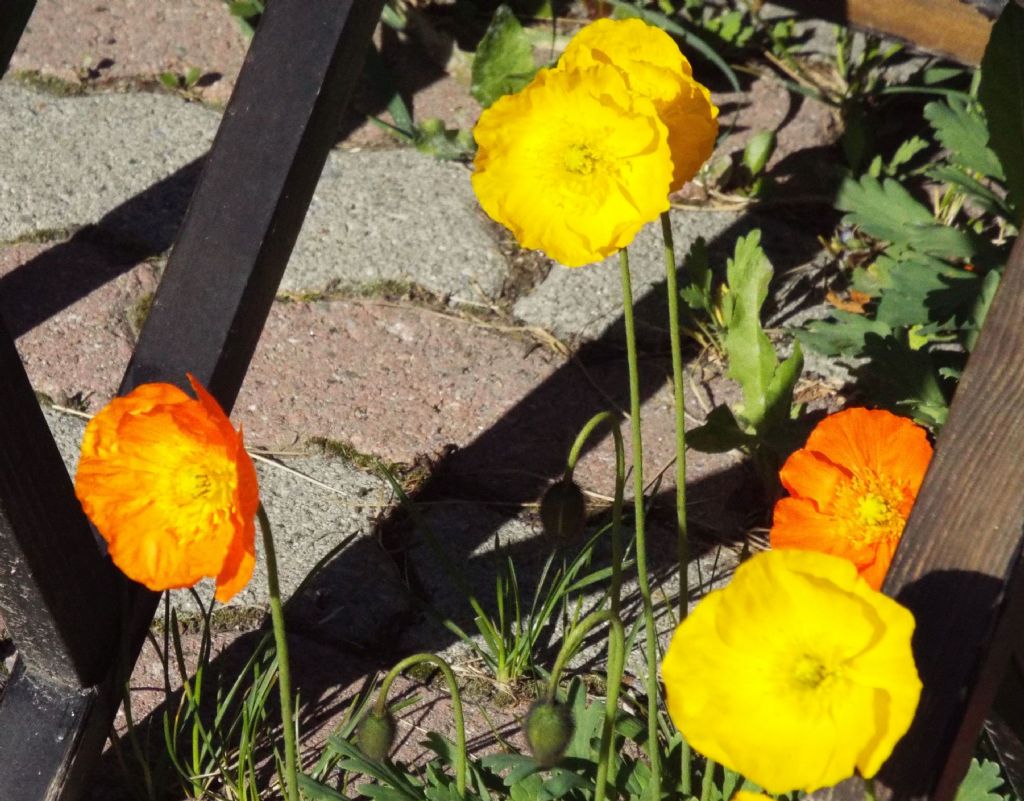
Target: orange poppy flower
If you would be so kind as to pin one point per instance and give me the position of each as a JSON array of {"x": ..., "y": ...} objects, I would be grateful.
[
  {"x": 168, "y": 484},
  {"x": 852, "y": 487}
]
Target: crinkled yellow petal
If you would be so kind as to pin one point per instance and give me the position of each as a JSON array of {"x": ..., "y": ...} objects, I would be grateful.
[
  {"x": 763, "y": 679},
  {"x": 573, "y": 165},
  {"x": 624, "y": 43},
  {"x": 657, "y": 70}
]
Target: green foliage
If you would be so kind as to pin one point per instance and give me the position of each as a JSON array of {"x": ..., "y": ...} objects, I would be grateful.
[
  {"x": 1002, "y": 94},
  {"x": 763, "y": 425},
  {"x": 964, "y": 133},
  {"x": 928, "y": 272},
  {"x": 503, "y": 62},
  {"x": 981, "y": 782},
  {"x": 431, "y": 136},
  {"x": 248, "y": 13}
]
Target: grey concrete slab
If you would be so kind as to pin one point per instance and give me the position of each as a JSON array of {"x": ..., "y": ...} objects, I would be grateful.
[
  {"x": 396, "y": 215},
  {"x": 71, "y": 161},
  {"x": 123, "y": 161}
]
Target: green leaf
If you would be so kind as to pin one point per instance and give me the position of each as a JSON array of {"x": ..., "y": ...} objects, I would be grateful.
[
  {"x": 245, "y": 8},
  {"x": 697, "y": 292},
  {"x": 504, "y": 59},
  {"x": 973, "y": 188},
  {"x": 964, "y": 134},
  {"x": 1001, "y": 93},
  {"x": 315, "y": 791},
  {"x": 720, "y": 433},
  {"x": 750, "y": 353},
  {"x": 193, "y": 75},
  {"x": 169, "y": 79},
  {"x": 982, "y": 302},
  {"x": 757, "y": 152},
  {"x": 779, "y": 397},
  {"x": 841, "y": 335},
  {"x": 903, "y": 379},
  {"x": 980, "y": 783},
  {"x": 887, "y": 211},
  {"x": 922, "y": 291},
  {"x": 905, "y": 153}
]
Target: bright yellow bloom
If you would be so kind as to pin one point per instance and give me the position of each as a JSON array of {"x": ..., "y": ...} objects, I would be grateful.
[
  {"x": 656, "y": 69},
  {"x": 746, "y": 795},
  {"x": 575, "y": 164},
  {"x": 168, "y": 484},
  {"x": 795, "y": 674}
]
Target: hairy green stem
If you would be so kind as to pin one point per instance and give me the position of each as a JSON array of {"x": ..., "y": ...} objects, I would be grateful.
[
  {"x": 615, "y": 591},
  {"x": 284, "y": 676},
  {"x": 616, "y": 665},
  {"x": 460, "y": 723},
  {"x": 672, "y": 289},
  {"x": 650, "y": 644},
  {"x": 682, "y": 542}
]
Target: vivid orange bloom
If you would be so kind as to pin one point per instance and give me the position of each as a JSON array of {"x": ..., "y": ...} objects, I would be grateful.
[
  {"x": 852, "y": 487},
  {"x": 168, "y": 484}
]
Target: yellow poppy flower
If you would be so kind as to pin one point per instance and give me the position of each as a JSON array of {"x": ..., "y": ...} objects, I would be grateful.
[
  {"x": 795, "y": 674},
  {"x": 657, "y": 70},
  {"x": 575, "y": 164},
  {"x": 167, "y": 483}
]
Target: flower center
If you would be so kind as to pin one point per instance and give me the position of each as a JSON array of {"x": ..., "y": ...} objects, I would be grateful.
[
  {"x": 206, "y": 484},
  {"x": 810, "y": 672},
  {"x": 869, "y": 509},
  {"x": 580, "y": 159}
]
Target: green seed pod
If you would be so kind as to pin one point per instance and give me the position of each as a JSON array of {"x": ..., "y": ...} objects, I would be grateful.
[
  {"x": 549, "y": 728},
  {"x": 563, "y": 511},
  {"x": 375, "y": 735}
]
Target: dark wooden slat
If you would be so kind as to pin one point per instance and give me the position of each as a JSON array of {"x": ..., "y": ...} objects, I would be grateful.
[
  {"x": 57, "y": 591},
  {"x": 40, "y": 727},
  {"x": 214, "y": 299},
  {"x": 256, "y": 186},
  {"x": 958, "y": 565},
  {"x": 14, "y": 16}
]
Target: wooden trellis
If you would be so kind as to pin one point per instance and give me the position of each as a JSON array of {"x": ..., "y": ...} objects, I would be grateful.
[{"x": 79, "y": 626}]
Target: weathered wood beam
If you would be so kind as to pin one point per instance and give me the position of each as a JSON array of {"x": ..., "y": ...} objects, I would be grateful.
[
  {"x": 958, "y": 566},
  {"x": 951, "y": 28}
]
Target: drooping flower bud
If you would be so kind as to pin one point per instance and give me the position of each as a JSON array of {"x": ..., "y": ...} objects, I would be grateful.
[
  {"x": 375, "y": 735},
  {"x": 549, "y": 728},
  {"x": 563, "y": 510}
]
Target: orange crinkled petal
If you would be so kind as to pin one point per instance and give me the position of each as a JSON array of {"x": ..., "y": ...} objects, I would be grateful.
[{"x": 167, "y": 482}]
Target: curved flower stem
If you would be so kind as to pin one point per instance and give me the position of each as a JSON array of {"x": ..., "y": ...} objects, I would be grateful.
[
  {"x": 284, "y": 676},
  {"x": 641, "y": 540},
  {"x": 870, "y": 793},
  {"x": 460, "y": 724},
  {"x": 683, "y": 547},
  {"x": 615, "y": 591},
  {"x": 672, "y": 289},
  {"x": 616, "y": 665}
]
